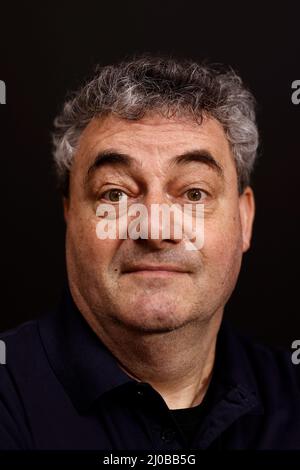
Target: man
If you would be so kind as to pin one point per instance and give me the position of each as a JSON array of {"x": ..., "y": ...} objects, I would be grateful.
[{"x": 137, "y": 356}]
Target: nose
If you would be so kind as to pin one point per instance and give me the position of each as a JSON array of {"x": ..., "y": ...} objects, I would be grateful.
[{"x": 161, "y": 220}]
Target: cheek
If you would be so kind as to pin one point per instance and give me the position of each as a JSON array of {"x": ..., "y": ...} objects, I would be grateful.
[
  {"x": 222, "y": 241},
  {"x": 85, "y": 247}
]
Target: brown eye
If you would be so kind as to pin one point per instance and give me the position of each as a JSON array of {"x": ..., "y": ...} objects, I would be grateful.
[
  {"x": 195, "y": 194},
  {"x": 114, "y": 195}
]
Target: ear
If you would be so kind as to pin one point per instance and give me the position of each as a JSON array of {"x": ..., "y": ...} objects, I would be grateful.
[
  {"x": 66, "y": 208},
  {"x": 247, "y": 212}
]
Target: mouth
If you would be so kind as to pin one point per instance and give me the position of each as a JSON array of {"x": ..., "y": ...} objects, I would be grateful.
[{"x": 155, "y": 270}]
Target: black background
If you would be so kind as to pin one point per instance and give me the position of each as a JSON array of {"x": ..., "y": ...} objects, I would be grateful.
[{"x": 48, "y": 48}]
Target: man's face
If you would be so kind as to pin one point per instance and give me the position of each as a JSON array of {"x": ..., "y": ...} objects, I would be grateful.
[{"x": 155, "y": 161}]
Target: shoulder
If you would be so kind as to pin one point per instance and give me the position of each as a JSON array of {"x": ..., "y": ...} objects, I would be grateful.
[
  {"x": 20, "y": 372},
  {"x": 275, "y": 372},
  {"x": 20, "y": 345},
  {"x": 264, "y": 358},
  {"x": 22, "y": 332}
]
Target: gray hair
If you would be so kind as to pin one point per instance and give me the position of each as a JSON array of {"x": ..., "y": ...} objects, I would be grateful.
[{"x": 166, "y": 86}]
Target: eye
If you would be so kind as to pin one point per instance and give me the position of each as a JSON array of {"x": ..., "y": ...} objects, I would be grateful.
[
  {"x": 115, "y": 195},
  {"x": 195, "y": 194}
]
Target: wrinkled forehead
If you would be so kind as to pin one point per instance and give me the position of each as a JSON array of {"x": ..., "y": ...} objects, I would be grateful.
[{"x": 153, "y": 140}]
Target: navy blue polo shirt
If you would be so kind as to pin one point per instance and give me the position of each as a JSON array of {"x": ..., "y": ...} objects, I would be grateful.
[{"x": 61, "y": 388}]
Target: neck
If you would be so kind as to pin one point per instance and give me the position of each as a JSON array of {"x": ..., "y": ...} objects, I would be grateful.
[{"x": 177, "y": 364}]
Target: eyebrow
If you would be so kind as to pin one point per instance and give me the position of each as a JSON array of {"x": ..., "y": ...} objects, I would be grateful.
[
  {"x": 200, "y": 156},
  {"x": 115, "y": 158},
  {"x": 109, "y": 158}
]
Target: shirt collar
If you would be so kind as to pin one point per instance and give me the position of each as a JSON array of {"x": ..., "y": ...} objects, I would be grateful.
[
  {"x": 233, "y": 368},
  {"x": 81, "y": 362}
]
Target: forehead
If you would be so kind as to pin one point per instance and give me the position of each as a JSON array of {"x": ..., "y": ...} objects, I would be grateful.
[{"x": 154, "y": 137}]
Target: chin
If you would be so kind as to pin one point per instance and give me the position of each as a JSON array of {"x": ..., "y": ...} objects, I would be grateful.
[{"x": 159, "y": 321}]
